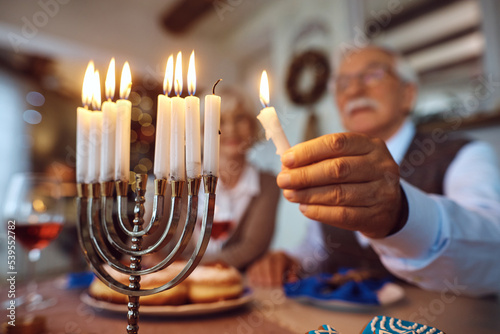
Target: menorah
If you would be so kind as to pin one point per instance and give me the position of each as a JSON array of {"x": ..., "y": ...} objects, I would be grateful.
[
  {"x": 103, "y": 161},
  {"x": 98, "y": 232}
]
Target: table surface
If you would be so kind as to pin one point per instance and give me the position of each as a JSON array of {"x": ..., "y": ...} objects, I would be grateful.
[{"x": 272, "y": 312}]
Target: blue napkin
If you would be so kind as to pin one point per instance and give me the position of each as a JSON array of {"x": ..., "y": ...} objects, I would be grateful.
[
  {"x": 80, "y": 280},
  {"x": 317, "y": 287}
]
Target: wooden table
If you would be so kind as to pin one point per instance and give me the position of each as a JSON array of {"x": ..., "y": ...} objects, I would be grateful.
[{"x": 271, "y": 312}]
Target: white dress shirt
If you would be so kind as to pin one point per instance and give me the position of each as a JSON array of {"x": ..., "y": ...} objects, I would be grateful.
[{"x": 450, "y": 241}]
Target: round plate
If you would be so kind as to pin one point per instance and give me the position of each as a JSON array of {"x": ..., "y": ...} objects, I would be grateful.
[
  {"x": 390, "y": 293},
  {"x": 172, "y": 310}
]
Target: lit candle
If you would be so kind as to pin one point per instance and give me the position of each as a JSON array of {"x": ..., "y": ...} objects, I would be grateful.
[
  {"x": 123, "y": 119},
  {"x": 177, "y": 163},
  {"x": 83, "y": 126},
  {"x": 95, "y": 133},
  {"x": 108, "y": 127},
  {"x": 193, "y": 144},
  {"x": 211, "y": 137},
  {"x": 269, "y": 119},
  {"x": 162, "y": 148}
]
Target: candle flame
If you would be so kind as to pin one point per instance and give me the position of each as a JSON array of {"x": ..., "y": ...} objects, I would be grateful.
[
  {"x": 178, "y": 75},
  {"x": 39, "y": 205},
  {"x": 264, "y": 90},
  {"x": 110, "y": 80},
  {"x": 191, "y": 75},
  {"x": 96, "y": 96},
  {"x": 87, "y": 85},
  {"x": 169, "y": 76},
  {"x": 126, "y": 82}
]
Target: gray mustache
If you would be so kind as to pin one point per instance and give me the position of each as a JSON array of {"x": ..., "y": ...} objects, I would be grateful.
[{"x": 361, "y": 102}]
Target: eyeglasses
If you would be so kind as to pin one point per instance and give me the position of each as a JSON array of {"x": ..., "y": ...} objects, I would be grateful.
[{"x": 370, "y": 77}]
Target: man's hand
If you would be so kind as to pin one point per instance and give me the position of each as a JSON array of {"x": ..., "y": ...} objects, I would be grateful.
[
  {"x": 272, "y": 270},
  {"x": 346, "y": 180}
]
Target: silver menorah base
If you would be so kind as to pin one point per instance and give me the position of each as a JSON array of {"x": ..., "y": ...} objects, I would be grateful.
[{"x": 99, "y": 239}]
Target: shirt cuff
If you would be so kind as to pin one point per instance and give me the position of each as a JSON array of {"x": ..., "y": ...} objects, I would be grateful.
[{"x": 416, "y": 239}]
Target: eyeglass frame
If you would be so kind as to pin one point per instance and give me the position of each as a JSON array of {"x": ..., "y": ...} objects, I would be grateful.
[{"x": 384, "y": 71}]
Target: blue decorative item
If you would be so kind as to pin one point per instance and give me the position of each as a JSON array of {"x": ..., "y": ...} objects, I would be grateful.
[
  {"x": 388, "y": 325},
  {"x": 324, "y": 329},
  {"x": 318, "y": 287}
]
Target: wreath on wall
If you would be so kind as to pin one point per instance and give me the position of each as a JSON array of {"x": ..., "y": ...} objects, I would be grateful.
[{"x": 317, "y": 64}]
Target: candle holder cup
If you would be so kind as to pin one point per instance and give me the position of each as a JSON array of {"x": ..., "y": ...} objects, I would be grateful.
[{"x": 99, "y": 239}]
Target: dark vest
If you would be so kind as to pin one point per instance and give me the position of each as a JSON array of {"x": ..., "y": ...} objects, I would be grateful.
[{"x": 424, "y": 166}]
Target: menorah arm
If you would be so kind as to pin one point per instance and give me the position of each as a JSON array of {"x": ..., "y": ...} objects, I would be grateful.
[
  {"x": 122, "y": 202},
  {"x": 99, "y": 241},
  {"x": 156, "y": 217},
  {"x": 183, "y": 241},
  {"x": 89, "y": 251},
  {"x": 167, "y": 235},
  {"x": 93, "y": 252},
  {"x": 196, "y": 256}
]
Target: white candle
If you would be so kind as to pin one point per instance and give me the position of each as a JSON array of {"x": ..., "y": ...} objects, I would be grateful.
[
  {"x": 269, "y": 119},
  {"x": 82, "y": 144},
  {"x": 108, "y": 128},
  {"x": 193, "y": 129},
  {"x": 211, "y": 137},
  {"x": 83, "y": 126},
  {"x": 94, "y": 160},
  {"x": 162, "y": 148},
  {"x": 95, "y": 146},
  {"x": 123, "y": 121},
  {"x": 177, "y": 163}
]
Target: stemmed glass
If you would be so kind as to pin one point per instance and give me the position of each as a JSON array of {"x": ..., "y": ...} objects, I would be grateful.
[
  {"x": 222, "y": 226},
  {"x": 34, "y": 205}
]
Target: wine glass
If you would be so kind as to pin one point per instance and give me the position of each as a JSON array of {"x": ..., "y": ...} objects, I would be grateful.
[
  {"x": 35, "y": 208},
  {"x": 222, "y": 226}
]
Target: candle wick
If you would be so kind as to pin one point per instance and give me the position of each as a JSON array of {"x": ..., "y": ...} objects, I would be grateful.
[
  {"x": 215, "y": 84},
  {"x": 178, "y": 90}
]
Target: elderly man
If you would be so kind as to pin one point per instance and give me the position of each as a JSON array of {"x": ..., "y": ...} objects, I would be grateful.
[{"x": 426, "y": 206}]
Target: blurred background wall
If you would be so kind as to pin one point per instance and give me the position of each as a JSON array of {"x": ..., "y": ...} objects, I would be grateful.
[{"x": 45, "y": 45}]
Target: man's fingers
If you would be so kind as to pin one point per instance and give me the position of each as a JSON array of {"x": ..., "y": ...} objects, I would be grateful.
[
  {"x": 358, "y": 194},
  {"x": 352, "y": 169},
  {"x": 325, "y": 147},
  {"x": 349, "y": 218},
  {"x": 371, "y": 221}
]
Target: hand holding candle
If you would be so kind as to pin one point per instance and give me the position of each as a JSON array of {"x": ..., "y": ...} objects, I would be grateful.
[{"x": 269, "y": 119}]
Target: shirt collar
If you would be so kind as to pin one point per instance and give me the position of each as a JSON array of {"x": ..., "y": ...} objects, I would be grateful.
[
  {"x": 398, "y": 144},
  {"x": 247, "y": 184}
]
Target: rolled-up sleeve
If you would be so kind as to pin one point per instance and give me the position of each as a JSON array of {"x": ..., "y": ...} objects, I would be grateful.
[{"x": 455, "y": 237}]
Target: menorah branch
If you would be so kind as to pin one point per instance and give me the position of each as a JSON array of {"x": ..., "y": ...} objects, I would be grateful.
[{"x": 98, "y": 234}]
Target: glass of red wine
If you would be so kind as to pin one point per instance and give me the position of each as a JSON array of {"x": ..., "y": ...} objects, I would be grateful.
[
  {"x": 222, "y": 226},
  {"x": 35, "y": 214}
]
